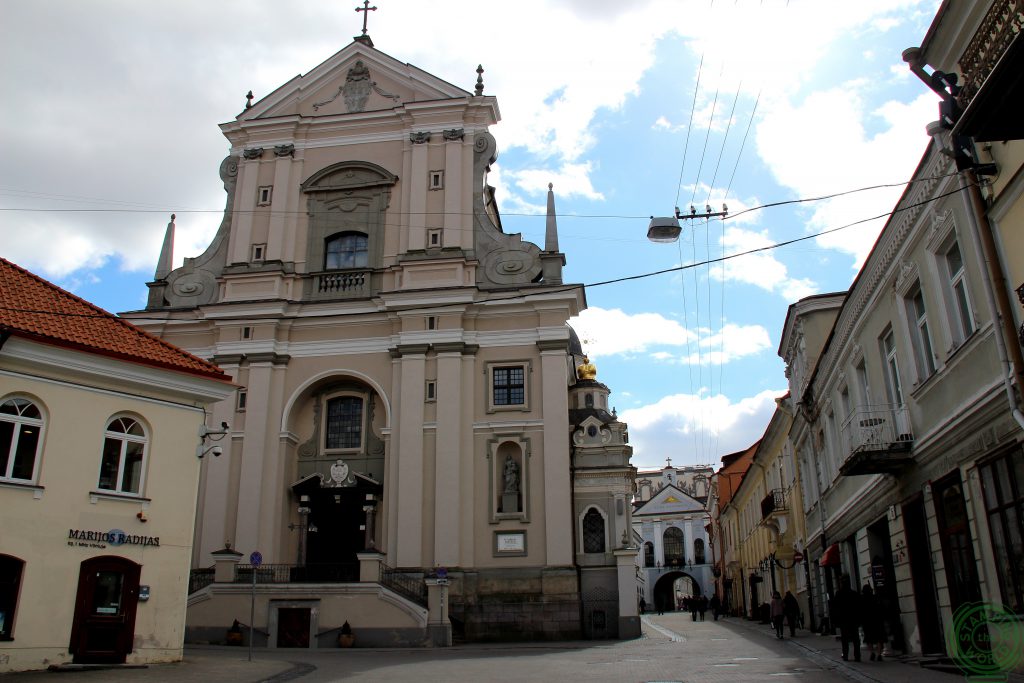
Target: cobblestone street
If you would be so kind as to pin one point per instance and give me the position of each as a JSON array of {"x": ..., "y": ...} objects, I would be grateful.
[{"x": 673, "y": 649}]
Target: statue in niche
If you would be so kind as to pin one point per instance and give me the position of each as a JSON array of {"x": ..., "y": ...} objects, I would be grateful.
[{"x": 511, "y": 475}]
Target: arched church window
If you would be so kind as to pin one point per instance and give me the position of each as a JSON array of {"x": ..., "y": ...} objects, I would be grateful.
[
  {"x": 593, "y": 532},
  {"x": 673, "y": 543},
  {"x": 346, "y": 250},
  {"x": 589, "y": 400},
  {"x": 344, "y": 422},
  {"x": 698, "y": 551},
  {"x": 648, "y": 554}
]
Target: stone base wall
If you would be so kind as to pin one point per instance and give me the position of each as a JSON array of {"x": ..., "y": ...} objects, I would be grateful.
[{"x": 515, "y": 604}]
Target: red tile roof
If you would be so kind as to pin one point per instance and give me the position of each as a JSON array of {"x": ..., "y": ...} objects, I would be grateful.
[{"x": 33, "y": 308}]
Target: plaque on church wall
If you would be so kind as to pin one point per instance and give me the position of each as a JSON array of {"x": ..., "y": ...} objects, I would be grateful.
[{"x": 510, "y": 543}]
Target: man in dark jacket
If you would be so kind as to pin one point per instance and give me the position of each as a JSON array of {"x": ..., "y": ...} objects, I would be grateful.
[
  {"x": 791, "y": 608},
  {"x": 846, "y": 615}
]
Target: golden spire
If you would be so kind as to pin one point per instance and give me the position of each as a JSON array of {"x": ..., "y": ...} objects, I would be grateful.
[{"x": 586, "y": 369}]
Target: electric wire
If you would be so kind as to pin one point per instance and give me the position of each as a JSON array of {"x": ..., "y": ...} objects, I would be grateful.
[{"x": 547, "y": 291}]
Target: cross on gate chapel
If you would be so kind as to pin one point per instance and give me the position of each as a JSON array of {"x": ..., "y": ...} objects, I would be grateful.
[{"x": 419, "y": 446}]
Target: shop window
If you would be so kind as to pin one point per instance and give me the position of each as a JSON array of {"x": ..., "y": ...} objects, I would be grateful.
[
  {"x": 1002, "y": 481},
  {"x": 346, "y": 250},
  {"x": 344, "y": 423},
  {"x": 10, "y": 584},
  {"x": 593, "y": 531},
  {"x": 21, "y": 425},
  {"x": 124, "y": 456}
]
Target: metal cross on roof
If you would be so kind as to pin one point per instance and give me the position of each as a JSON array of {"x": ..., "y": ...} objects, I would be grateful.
[{"x": 366, "y": 9}]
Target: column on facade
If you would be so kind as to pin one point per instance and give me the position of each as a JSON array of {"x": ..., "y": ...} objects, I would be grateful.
[
  {"x": 215, "y": 522},
  {"x": 418, "y": 196},
  {"x": 659, "y": 546},
  {"x": 458, "y": 225},
  {"x": 447, "y": 499},
  {"x": 408, "y": 526},
  {"x": 688, "y": 540},
  {"x": 245, "y": 202},
  {"x": 279, "y": 213},
  {"x": 557, "y": 485},
  {"x": 254, "y": 452}
]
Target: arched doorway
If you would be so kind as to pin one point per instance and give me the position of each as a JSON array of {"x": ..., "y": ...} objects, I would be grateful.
[
  {"x": 671, "y": 586},
  {"x": 108, "y": 594}
]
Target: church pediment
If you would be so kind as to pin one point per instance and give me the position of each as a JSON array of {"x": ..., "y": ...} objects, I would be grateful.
[
  {"x": 669, "y": 500},
  {"x": 356, "y": 79}
]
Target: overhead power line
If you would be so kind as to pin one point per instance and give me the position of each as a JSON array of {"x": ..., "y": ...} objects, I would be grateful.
[{"x": 548, "y": 290}]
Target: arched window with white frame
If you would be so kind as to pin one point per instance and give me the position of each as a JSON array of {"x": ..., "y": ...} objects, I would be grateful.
[
  {"x": 123, "y": 462},
  {"x": 21, "y": 428}
]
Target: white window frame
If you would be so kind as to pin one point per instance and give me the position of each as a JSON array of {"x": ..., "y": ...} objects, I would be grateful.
[
  {"x": 19, "y": 422},
  {"x": 264, "y": 195},
  {"x": 920, "y": 333},
  {"x": 125, "y": 438},
  {"x": 961, "y": 312},
  {"x": 893, "y": 381},
  {"x": 436, "y": 180}
]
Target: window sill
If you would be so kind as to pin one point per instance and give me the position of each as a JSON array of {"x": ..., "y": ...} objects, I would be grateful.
[
  {"x": 37, "y": 490},
  {"x": 95, "y": 496}
]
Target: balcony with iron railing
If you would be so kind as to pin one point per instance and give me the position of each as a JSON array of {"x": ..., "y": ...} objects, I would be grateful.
[
  {"x": 992, "y": 67},
  {"x": 773, "y": 504},
  {"x": 876, "y": 440}
]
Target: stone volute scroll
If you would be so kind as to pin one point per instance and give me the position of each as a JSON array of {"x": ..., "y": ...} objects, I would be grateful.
[
  {"x": 195, "y": 283},
  {"x": 506, "y": 259}
]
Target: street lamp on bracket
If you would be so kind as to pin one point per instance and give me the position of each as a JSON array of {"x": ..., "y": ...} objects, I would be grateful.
[{"x": 663, "y": 229}]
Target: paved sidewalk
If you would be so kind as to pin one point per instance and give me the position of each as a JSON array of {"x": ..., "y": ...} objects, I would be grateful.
[{"x": 828, "y": 651}]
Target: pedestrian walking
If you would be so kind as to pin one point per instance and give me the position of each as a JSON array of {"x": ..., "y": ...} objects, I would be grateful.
[
  {"x": 791, "y": 608},
  {"x": 694, "y": 606},
  {"x": 702, "y": 606},
  {"x": 873, "y": 621},
  {"x": 716, "y": 606},
  {"x": 643, "y": 605},
  {"x": 847, "y": 616},
  {"x": 777, "y": 613}
]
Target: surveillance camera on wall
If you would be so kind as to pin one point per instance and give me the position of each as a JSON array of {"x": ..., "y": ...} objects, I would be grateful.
[{"x": 217, "y": 450}]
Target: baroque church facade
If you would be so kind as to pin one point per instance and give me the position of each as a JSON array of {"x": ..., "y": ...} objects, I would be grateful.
[{"x": 410, "y": 398}]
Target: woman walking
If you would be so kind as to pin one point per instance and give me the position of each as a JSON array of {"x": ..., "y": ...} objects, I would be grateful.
[
  {"x": 778, "y": 612},
  {"x": 873, "y": 623}
]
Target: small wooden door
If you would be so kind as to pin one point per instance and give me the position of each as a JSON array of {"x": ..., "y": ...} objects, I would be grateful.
[{"x": 108, "y": 595}]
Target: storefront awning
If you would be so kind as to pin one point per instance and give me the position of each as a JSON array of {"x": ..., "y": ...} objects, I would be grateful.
[{"x": 831, "y": 556}]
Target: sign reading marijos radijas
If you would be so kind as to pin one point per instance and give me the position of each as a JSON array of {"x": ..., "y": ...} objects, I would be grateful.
[{"x": 115, "y": 537}]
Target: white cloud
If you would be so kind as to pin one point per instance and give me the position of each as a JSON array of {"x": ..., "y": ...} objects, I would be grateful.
[
  {"x": 847, "y": 155},
  {"x": 761, "y": 269},
  {"x": 609, "y": 332},
  {"x": 696, "y": 428}
]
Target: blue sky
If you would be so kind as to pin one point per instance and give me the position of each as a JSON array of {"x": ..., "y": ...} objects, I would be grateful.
[{"x": 111, "y": 117}]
